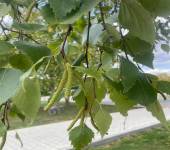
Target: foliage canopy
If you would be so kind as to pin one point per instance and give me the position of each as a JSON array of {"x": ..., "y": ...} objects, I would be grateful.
[{"x": 95, "y": 47}]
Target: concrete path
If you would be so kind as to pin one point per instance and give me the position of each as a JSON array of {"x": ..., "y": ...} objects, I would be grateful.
[{"x": 55, "y": 137}]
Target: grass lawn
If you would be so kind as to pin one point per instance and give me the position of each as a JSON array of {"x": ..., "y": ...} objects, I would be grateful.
[
  {"x": 68, "y": 113},
  {"x": 152, "y": 139}
]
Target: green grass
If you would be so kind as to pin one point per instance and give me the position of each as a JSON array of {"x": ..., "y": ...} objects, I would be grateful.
[
  {"x": 153, "y": 139},
  {"x": 68, "y": 113}
]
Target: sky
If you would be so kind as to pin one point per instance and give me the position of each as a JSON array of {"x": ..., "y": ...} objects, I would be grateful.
[{"x": 161, "y": 62}]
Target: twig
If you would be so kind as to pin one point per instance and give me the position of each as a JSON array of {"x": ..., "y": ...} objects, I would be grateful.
[
  {"x": 18, "y": 32},
  {"x": 87, "y": 41},
  {"x": 100, "y": 63},
  {"x": 102, "y": 16},
  {"x": 65, "y": 40},
  {"x": 162, "y": 94},
  {"x": 31, "y": 38}
]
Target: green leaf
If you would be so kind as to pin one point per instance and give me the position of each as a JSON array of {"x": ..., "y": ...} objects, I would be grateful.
[
  {"x": 79, "y": 98},
  {"x": 89, "y": 86},
  {"x": 86, "y": 6},
  {"x": 54, "y": 47},
  {"x": 122, "y": 102},
  {"x": 81, "y": 136},
  {"x": 20, "y": 61},
  {"x": 157, "y": 7},
  {"x": 92, "y": 71},
  {"x": 15, "y": 112},
  {"x": 48, "y": 14},
  {"x": 164, "y": 86},
  {"x": 94, "y": 35},
  {"x": 69, "y": 16},
  {"x": 142, "y": 92},
  {"x": 157, "y": 111},
  {"x": 27, "y": 98},
  {"x": 103, "y": 121},
  {"x": 107, "y": 61},
  {"x": 62, "y": 8},
  {"x": 4, "y": 60},
  {"x": 4, "y": 9},
  {"x": 113, "y": 74},
  {"x": 34, "y": 51},
  {"x": 135, "y": 18},
  {"x": 110, "y": 34},
  {"x": 28, "y": 27},
  {"x": 9, "y": 83},
  {"x": 129, "y": 73},
  {"x": 5, "y": 48},
  {"x": 100, "y": 90},
  {"x": 3, "y": 129},
  {"x": 79, "y": 60},
  {"x": 141, "y": 51}
]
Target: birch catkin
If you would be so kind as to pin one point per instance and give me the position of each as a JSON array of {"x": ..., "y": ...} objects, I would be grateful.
[
  {"x": 69, "y": 81},
  {"x": 56, "y": 94}
]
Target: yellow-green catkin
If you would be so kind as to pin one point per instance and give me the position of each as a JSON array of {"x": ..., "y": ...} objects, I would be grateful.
[
  {"x": 56, "y": 94},
  {"x": 68, "y": 86}
]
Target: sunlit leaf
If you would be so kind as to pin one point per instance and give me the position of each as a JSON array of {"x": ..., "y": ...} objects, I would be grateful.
[
  {"x": 103, "y": 121},
  {"x": 157, "y": 7},
  {"x": 9, "y": 83},
  {"x": 28, "y": 94},
  {"x": 157, "y": 111},
  {"x": 81, "y": 136},
  {"x": 20, "y": 61},
  {"x": 28, "y": 27},
  {"x": 34, "y": 51},
  {"x": 141, "y": 27},
  {"x": 129, "y": 73}
]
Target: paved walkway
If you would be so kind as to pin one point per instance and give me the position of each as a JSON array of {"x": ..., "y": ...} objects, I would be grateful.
[{"x": 55, "y": 137}]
